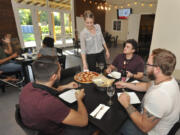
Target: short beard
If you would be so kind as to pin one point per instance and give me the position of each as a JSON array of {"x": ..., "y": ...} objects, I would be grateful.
[{"x": 151, "y": 76}]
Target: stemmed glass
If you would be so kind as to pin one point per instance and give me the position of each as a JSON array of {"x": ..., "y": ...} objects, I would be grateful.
[
  {"x": 101, "y": 66},
  {"x": 110, "y": 93}
]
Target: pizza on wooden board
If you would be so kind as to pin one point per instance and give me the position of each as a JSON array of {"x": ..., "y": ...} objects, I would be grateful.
[{"x": 85, "y": 77}]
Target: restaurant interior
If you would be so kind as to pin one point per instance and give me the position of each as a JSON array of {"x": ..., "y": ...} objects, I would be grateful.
[{"x": 152, "y": 23}]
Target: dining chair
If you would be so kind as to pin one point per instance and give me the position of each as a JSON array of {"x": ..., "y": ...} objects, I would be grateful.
[
  {"x": 26, "y": 129},
  {"x": 68, "y": 72},
  {"x": 4, "y": 82},
  {"x": 175, "y": 128},
  {"x": 67, "y": 75}
]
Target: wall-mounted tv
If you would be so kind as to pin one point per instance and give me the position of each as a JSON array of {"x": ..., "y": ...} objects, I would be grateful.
[{"x": 124, "y": 13}]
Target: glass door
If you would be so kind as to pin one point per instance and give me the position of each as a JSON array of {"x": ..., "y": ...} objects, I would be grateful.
[
  {"x": 26, "y": 26},
  {"x": 68, "y": 28},
  {"x": 43, "y": 24},
  {"x": 36, "y": 22},
  {"x": 57, "y": 28}
]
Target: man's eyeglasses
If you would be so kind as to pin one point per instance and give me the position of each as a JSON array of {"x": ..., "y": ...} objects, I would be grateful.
[{"x": 151, "y": 65}]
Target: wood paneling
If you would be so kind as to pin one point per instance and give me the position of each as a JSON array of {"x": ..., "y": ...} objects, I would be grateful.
[
  {"x": 81, "y": 6},
  {"x": 7, "y": 20}
]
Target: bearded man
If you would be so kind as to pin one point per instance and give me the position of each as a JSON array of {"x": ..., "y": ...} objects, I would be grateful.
[{"x": 160, "y": 105}]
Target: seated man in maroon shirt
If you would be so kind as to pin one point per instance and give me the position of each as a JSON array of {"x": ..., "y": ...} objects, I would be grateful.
[
  {"x": 41, "y": 109},
  {"x": 134, "y": 63}
]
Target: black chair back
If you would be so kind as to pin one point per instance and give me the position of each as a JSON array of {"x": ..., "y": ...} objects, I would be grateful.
[
  {"x": 175, "y": 128},
  {"x": 67, "y": 75},
  {"x": 18, "y": 119}
]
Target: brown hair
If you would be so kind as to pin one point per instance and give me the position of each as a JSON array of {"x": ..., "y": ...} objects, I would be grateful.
[
  {"x": 88, "y": 14},
  {"x": 164, "y": 59}
]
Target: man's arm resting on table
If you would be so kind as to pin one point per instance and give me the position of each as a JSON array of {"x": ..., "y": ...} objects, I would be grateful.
[
  {"x": 145, "y": 121},
  {"x": 110, "y": 69},
  {"x": 142, "y": 86},
  {"x": 67, "y": 86},
  {"x": 77, "y": 118},
  {"x": 139, "y": 75}
]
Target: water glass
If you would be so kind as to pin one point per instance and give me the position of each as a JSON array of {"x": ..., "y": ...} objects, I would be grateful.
[
  {"x": 110, "y": 93},
  {"x": 101, "y": 66}
]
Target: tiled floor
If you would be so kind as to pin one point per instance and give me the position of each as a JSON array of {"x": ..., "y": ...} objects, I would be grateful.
[{"x": 8, "y": 100}]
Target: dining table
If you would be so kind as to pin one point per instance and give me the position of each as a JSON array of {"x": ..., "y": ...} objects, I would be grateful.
[{"x": 114, "y": 118}]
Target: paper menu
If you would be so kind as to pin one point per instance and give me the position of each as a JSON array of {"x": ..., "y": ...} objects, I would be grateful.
[
  {"x": 135, "y": 81},
  {"x": 133, "y": 97},
  {"x": 68, "y": 96}
]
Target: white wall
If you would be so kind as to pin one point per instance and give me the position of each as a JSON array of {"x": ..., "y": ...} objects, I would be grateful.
[
  {"x": 112, "y": 15},
  {"x": 166, "y": 32}
]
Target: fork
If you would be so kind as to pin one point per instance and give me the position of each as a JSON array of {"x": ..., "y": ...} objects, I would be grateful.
[
  {"x": 98, "y": 111},
  {"x": 124, "y": 90}
]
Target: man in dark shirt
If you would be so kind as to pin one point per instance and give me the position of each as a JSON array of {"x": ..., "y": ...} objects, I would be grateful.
[
  {"x": 40, "y": 107},
  {"x": 134, "y": 63}
]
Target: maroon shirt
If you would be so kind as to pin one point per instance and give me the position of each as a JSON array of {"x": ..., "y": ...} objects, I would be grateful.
[
  {"x": 134, "y": 65},
  {"x": 41, "y": 110}
]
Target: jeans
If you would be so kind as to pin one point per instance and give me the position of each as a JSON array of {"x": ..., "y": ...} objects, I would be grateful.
[
  {"x": 11, "y": 66},
  {"x": 129, "y": 128}
]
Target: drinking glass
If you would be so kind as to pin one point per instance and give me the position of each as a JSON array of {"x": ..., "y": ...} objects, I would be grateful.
[
  {"x": 101, "y": 66},
  {"x": 110, "y": 93}
]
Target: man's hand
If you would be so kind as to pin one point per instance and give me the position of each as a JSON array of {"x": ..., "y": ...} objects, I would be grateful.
[
  {"x": 129, "y": 74},
  {"x": 120, "y": 84},
  {"x": 124, "y": 99},
  {"x": 108, "y": 70},
  {"x": 72, "y": 85},
  {"x": 80, "y": 94}
]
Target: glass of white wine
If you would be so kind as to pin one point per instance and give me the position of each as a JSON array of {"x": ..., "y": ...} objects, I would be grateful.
[
  {"x": 110, "y": 93},
  {"x": 101, "y": 66}
]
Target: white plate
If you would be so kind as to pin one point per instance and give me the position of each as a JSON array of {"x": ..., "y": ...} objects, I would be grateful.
[
  {"x": 19, "y": 58},
  {"x": 68, "y": 96},
  {"x": 115, "y": 75}
]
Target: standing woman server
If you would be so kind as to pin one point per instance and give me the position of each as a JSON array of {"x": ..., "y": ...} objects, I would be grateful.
[{"x": 92, "y": 43}]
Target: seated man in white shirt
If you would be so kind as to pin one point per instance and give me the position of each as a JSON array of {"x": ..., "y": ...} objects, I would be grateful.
[{"x": 160, "y": 106}]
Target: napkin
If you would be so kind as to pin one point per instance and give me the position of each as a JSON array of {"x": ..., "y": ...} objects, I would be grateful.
[
  {"x": 68, "y": 96},
  {"x": 99, "y": 112},
  {"x": 115, "y": 75},
  {"x": 133, "y": 97},
  {"x": 86, "y": 70},
  {"x": 135, "y": 81}
]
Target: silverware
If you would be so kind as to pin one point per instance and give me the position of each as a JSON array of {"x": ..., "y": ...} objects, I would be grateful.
[
  {"x": 124, "y": 90},
  {"x": 98, "y": 111}
]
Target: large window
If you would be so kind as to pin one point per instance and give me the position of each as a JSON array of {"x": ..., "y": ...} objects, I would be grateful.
[
  {"x": 26, "y": 27},
  {"x": 43, "y": 24},
  {"x": 57, "y": 27},
  {"x": 36, "y": 22}
]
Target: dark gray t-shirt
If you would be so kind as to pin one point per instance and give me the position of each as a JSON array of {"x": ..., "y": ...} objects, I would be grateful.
[{"x": 47, "y": 51}]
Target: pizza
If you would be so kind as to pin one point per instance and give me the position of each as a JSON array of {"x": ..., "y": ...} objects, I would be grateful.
[{"x": 85, "y": 77}]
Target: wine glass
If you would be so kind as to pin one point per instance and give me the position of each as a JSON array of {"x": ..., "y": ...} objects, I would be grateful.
[
  {"x": 101, "y": 66},
  {"x": 110, "y": 93}
]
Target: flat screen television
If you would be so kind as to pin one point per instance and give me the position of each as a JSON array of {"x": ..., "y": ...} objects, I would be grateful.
[{"x": 123, "y": 13}]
